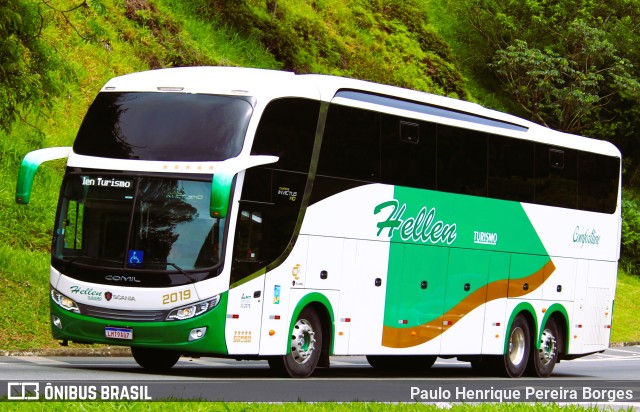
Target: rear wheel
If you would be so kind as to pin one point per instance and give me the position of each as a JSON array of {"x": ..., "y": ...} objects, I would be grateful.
[
  {"x": 543, "y": 360},
  {"x": 514, "y": 362},
  {"x": 400, "y": 363},
  {"x": 305, "y": 347},
  {"x": 157, "y": 360}
]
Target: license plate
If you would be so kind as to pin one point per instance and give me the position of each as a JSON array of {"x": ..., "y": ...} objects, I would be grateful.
[{"x": 118, "y": 333}]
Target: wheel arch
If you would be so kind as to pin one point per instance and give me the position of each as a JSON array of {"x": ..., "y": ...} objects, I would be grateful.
[
  {"x": 525, "y": 309},
  {"x": 323, "y": 308}
]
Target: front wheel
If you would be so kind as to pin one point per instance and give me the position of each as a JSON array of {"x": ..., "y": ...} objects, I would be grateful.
[
  {"x": 156, "y": 360},
  {"x": 305, "y": 347},
  {"x": 544, "y": 359}
]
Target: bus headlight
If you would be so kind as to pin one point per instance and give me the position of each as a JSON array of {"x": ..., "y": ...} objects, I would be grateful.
[
  {"x": 64, "y": 302},
  {"x": 193, "y": 310}
]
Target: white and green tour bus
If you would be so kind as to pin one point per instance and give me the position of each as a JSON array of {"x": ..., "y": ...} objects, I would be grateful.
[{"x": 255, "y": 214}]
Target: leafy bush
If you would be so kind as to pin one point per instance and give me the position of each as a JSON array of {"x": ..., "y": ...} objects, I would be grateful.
[
  {"x": 631, "y": 231},
  {"x": 386, "y": 41},
  {"x": 29, "y": 66}
]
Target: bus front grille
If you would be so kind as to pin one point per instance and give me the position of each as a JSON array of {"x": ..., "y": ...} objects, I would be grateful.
[{"x": 128, "y": 315}]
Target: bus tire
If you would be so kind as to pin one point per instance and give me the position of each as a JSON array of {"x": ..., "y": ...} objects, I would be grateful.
[
  {"x": 543, "y": 360},
  {"x": 399, "y": 363},
  {"x": 514, "y": 361},
  {"x": 304, "y": 350},
  {"x": 157, "y": 360}
]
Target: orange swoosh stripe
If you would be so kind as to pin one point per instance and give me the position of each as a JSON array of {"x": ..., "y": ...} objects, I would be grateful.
[{"x": 408, "y": 337}]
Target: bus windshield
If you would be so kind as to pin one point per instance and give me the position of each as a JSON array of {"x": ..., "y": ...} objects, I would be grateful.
[
  {"x": 153, "y": 223},
  {"x": 164, "y": 126}
]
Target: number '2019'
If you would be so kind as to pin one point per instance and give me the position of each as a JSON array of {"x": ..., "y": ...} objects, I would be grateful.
[{"x": 176, "y": 296}]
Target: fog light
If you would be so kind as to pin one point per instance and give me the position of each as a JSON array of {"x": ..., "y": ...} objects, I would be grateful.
[
  {"x": 56, "y": 322},
  {"x": 197, "y": 333}
]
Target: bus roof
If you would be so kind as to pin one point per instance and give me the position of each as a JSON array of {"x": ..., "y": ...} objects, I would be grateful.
[{"x": 266, "y": 85}]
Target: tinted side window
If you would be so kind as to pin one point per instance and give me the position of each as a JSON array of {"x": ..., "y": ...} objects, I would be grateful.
[
  {"x": 287, "y": 129},
  {"x": 272, "y": 194},
  {"x": 248, "y": 244},
  {"x": 269, "y": 208},
  {"x": 597, "y": 182},
  {"x": 351, "y": 144},
  {"x": 462, "y": 161},
  {"x": 556, "y": 176},
  {"x": 408, "y": 152},
  {"x": 511, "y": 169}
]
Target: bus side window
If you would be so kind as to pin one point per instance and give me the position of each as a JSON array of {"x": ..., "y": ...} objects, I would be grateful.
[
  {"x": 408, "y": 152},
  {"x": 556, "y": 176},
  {"x": 351, "y": 144},
  {"x": 511, "y": 169},
  {"x": 597, "y": 182},
  {"x": 287, "y": 130},
  {"x": 272, "y": 195},
  {"x": 73, "y": 226},
  {"x": 250, "y": 232},
  {"x": 267, "y": 218},
  {"x": 248, "y": 247},
  {"x": 462, "y": 161}
]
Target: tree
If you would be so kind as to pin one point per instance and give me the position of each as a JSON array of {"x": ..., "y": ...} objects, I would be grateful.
[
  {"x": 563, "y": 63},
  {"x": 31, "y": 71},
  {"x": 568, "y": 91},
  {"x": 558, "y": 60},
  {"x": 25, "y": 60}
]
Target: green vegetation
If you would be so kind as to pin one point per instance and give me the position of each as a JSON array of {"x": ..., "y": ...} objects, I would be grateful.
[
  {"x": 24, "y": 287},
  {"x": 631, "y": 231},
  {"x": 314, "y": 407},
  {"x": 567, "y": 64},
  {"x": 388, "y": 41},
  {"x": 626, "y": 309},
  {"x": 55, "y": 56}
]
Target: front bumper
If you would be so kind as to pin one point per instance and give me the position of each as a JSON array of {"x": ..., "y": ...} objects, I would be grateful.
[{"x": 172, "y": 335}]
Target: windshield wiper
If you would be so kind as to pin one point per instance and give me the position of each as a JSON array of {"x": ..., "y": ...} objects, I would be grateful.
[{"x": 179, "y": 269}]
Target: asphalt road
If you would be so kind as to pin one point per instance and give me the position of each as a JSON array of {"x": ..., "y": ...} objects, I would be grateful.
[{"x": 611, "y": 378}]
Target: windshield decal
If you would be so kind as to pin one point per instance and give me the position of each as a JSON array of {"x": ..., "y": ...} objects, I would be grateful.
[
  {"x": 113, "y": 182},
  {"x": 135, "y": 257}
]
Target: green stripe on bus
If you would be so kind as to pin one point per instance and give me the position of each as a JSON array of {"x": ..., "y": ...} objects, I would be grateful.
[{"x": 451, "y": 253}]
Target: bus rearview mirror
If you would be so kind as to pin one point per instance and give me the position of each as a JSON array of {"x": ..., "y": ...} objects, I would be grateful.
[
  {"x": 29, "y": 167},
  {"x": 220, "y": 194},
  {"x": 223, "y": 180}
]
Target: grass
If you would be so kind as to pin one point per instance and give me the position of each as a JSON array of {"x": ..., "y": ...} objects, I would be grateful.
[
  {"x": 626, "y": 327},
  {"x": 24, "y": 287},
  {"x": 224, "y": 45},
  {"x": 275, "y": 407}
]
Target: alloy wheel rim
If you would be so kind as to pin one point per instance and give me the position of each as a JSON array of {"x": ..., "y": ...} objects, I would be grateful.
[
  {"x": 303, "y": 341},
  {"x": 516, "y": 346}
]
